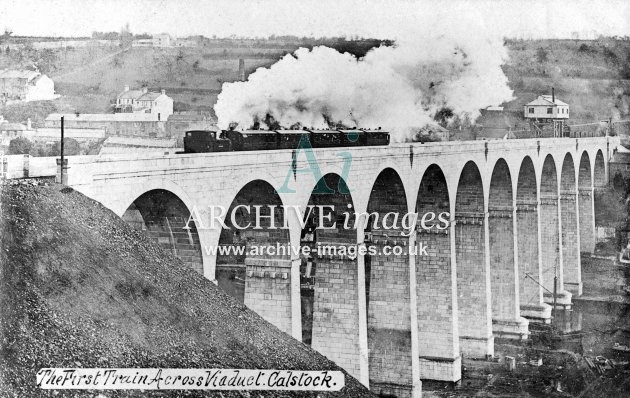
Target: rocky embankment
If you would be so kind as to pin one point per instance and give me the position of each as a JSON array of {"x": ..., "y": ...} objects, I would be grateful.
[{"x": 80, "y": 288}]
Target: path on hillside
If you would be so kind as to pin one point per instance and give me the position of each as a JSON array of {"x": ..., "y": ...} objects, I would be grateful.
[{"x": 91, "y": 64}]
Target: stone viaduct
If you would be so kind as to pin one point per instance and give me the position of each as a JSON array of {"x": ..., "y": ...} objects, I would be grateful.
[{"x": 521, "y": 212}]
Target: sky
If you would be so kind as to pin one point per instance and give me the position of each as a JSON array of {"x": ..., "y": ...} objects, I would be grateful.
[{"x": 261, "y": 18}]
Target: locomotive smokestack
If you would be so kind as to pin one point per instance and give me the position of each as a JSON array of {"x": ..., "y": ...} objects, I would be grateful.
[
  {"x": 553, "y": 95},
  {"x": 241, "y": 69}
]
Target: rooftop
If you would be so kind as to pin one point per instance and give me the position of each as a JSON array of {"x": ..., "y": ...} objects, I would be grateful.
[
  {"x": 140, "y": 95},
  {"x": 104, "y": 117},
  {"x": 18, "y": 74},
  {"x": 545, "y": 100},
  {"x": 131, "y": 94},
  {"x": 6, "y": 126},
  {"x": 140, "y": 142},
  {"x": 150, "y": 96}
]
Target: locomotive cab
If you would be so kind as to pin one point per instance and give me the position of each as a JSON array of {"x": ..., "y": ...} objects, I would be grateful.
[{"x": 200, "y": 141}]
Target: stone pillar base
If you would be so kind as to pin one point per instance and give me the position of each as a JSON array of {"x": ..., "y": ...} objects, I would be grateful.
[
  {"x": 574, "y": 288},
  {"x": 563, "y": 300},
  {"x": 477, "y": 347},
  {"x": 442, "y": 369},
  {"x": 391, "y": 390},
  {"x": 514, "y": 329},
  {"x": 536, "y": 313}
]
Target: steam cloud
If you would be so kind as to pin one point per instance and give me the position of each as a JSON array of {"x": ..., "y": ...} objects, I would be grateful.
[{"x": 399, "y": 88}]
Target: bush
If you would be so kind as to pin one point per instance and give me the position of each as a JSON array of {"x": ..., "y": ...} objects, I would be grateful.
[
  {"x": 542, "y": 55},
  {"x": 35, "y": 110},
  {"x": 20, "y": 146},
  {"x": 179, "y": 106},
  {"x": 71, "y": 148}
]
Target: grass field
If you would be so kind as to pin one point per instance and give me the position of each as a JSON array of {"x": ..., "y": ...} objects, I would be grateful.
[{"x": 592, "y": 76}]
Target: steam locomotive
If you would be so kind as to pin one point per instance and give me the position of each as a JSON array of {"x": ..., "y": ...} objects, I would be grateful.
[{"x": 199, "y": 141}]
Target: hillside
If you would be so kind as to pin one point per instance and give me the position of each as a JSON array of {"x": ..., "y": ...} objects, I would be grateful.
[
  {"x": 89, "y": 78},
  {"x": 593, "y": 76},
  {"x": 81, "y": 288}
]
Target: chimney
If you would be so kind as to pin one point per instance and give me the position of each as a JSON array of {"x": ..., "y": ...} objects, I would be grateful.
[
  {"x": 553, "y": 95},
  {"x": 126, "y": 87},
  {"x": 145, "y": 89},
  {"x": 28, "y": 123},
  {"x": 163, "y": 92},
  {"x": 241, "y": 69}
]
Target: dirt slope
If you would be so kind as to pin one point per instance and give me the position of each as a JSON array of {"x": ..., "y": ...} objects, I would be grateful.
[{"x": 80, "y": 288}]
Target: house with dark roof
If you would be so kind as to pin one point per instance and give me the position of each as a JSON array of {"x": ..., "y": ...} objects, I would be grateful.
[
  {"x": 25, "y": 85},
  {"x": 546, "y": 107},
  {"x": 157, "y": 104}
]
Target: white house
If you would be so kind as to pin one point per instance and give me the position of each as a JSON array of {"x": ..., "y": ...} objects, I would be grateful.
[
  {"x": 159, "y": 40},
  {"x": 144, "y": 101},
  {"x": 547, "y": 107},
  {"x": 162, "y": 40},
  {"x": 26, "y": 85},
  {"x": 142, "y": 43}
]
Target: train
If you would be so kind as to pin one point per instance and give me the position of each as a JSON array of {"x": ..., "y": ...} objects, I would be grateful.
[{"x": 201, "y": 141}]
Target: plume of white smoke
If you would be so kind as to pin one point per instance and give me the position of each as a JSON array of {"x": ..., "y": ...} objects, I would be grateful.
[{"x": 399, "y": 88}]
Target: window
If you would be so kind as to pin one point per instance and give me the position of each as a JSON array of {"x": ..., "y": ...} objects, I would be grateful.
[
  {"x": 549, "y": 111},
  {"x": 531, "y": 110}
]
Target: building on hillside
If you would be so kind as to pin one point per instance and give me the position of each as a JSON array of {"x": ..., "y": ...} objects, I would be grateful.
[
  {"x": 9, "y": 131},
  {"x": 50, "y": 135},
  {"x": 165, "y": 40},
  {"x": 179, "y": 123},
  {"x": 134, "y": 145},
  {"x": 125, "y": 124},
  {"x": 142, "y": 43},
  {"x": 162, "y": 40},
  {"x": 59, "y": 44},
  {"x": 144, "y": 101},
  {"x": 546, "y": 108},
  {"x": 547, "y": 115},
  {"x": 25, "y": 85},
  {"x": 186, "y": 42}
]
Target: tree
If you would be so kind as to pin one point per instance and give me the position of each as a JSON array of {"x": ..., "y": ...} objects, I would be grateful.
[
  {"x": 541, "y": 55},
  {"x": 180, "y": 56},
  {"x": 71, "y": 147},
  {"x": 20, "y": 146},
  {"x": 117, "y": 62},
  {"x": 7, "y": 34},
  {"x": 47, "y": 61},
  {"x": 126, "y": 37}
]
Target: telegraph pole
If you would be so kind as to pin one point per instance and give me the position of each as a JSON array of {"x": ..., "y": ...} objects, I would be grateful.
[{"x": 62, "y": 159}]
